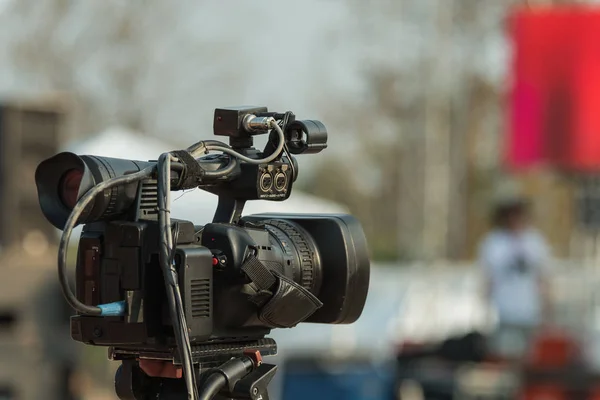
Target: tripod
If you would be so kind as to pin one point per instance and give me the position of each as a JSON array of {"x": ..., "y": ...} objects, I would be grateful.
[{"x": 243, "y": 377}]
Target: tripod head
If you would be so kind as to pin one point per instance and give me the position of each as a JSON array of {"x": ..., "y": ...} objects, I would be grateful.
[{"x": 243, "y": 377}]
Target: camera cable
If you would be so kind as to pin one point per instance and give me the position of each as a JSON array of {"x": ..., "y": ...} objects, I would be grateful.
[
  {"x": 166, "y": 259},
  {"x": 213, "y": 145},
  {"x": 106, "y": 309}
]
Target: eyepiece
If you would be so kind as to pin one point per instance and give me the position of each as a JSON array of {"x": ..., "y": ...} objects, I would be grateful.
[
  {"x": 63, "y": 179},
  {"x": 68, "y": 189}
]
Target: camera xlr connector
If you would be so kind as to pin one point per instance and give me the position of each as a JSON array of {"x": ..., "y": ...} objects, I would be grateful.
[
  {"x": 280, "y": 181},
  {"x": 254, "y": 124},
  {"x": 266, "y": 182}
]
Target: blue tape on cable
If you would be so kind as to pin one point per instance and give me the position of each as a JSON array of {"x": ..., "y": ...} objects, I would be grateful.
[{"x": 115, "y": 309}]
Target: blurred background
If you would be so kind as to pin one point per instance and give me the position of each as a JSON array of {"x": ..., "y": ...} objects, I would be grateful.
[{"x": 438, "y": 113}]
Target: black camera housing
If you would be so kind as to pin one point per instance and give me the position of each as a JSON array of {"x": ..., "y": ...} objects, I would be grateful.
[
  {"x": 239, "y": 277},
  {"x": 119, "y": 261}
]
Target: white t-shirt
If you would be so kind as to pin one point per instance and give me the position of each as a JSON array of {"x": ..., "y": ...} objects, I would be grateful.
[{"x": 514, "y": 262}]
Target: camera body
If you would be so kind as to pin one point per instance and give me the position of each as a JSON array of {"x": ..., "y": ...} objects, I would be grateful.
[
  {"x": 118, "y": 261},
  {"x": 238, "y": 277}
]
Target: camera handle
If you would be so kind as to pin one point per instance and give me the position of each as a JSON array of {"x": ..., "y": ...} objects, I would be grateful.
[
  {"x": 229, "y": 210},
  {"x": 244, "y": 377}
]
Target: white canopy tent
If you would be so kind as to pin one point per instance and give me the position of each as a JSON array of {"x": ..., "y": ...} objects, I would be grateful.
[
  {"x": 119, "y": 142},
  {"x": 193, "y": 205}
]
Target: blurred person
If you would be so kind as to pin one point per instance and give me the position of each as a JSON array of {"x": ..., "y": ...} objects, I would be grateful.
[{"x": 514, "y": 257}]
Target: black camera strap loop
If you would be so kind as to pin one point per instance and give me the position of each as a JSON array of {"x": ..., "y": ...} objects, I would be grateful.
[
  {"x": 290, "y": 305},
  {"x": 258, "y": 273},
  {"x": 262, "y": 280},
  {"x": 282, "y": 302},
  {"x": 190, "y": 178}
]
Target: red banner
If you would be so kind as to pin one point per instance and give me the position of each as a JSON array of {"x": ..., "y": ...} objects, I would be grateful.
[{"x": 555, "y": 96}]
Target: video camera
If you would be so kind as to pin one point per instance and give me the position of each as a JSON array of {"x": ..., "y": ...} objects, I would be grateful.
[{"x": 202, "y": 296}]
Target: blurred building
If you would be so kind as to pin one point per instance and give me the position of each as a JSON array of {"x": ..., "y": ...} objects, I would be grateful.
[
  {"x": 29, "y": 133},
  {"x": 37, "y": 357}
]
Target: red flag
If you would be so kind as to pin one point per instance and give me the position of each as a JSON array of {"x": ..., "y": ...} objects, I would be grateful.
[{"x": 555, "y": 96}]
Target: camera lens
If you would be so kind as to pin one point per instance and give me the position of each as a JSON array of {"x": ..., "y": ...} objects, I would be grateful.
[
  {"x": 68, "y": 188},
  {"x": 327, "y": 255}
]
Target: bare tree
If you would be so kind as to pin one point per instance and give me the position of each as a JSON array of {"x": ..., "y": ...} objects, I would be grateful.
[{"x": 434, "y": 102}]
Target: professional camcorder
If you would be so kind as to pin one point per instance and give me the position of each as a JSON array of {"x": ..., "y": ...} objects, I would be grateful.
[{"x": 202, "y": 297}]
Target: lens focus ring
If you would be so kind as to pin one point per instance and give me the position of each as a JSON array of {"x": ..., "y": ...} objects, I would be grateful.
[{"x": 310, "y": 271}]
